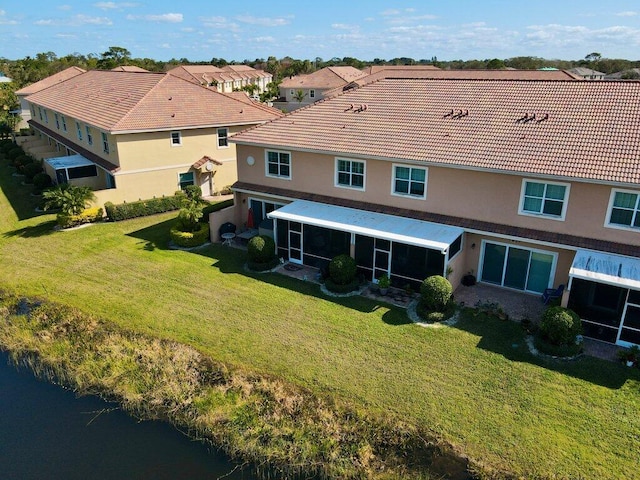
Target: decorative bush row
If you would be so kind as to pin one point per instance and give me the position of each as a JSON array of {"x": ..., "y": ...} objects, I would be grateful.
[
  {"x": 214, "y": 207},
  {"x": 143, "y": 208},
  {"x": 190, "y": 239},
  {"x": 90, "y": 215}
]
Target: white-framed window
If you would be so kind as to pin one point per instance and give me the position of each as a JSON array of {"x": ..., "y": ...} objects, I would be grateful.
[
  {"x": 40, "y": 113},
  {"x": 79, "y": 130},
  {"x": 33, "y": 111},
  {"x": 278, "y": 164},
  {"x": 409, "y": 181},
  {"x": 546, "y": 199},
  {"x": 57, "y": 119},
  {"x": 105, "y": 142},
  {"x": 624, "y": 209},
  {"x": 350, "y": 173},
  {"x": 89, "y": 135},
  {"x": 223, "y": 137},
  {"x": 312, "y": 93},
  {"x": 46, "y": 117},
  {"x": 64, "y": 123},
  {"x": 176, "y": 139},
  {"x": 186, "y": 179},
  {"x": 292, "y": 92}
]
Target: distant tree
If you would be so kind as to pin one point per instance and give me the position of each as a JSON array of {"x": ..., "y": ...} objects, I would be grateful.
[
  {"x": 495, "y": 64},
  {"x": 271, "y": 92},
  {"x": 299, "y": 96},
  {"x": 219, "y": 62},
  {"x": 593, "y": 57},
  {"x": 113, "y": 57}
]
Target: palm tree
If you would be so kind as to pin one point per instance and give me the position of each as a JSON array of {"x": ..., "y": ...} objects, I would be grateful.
[{"x": 70, "y": 199}]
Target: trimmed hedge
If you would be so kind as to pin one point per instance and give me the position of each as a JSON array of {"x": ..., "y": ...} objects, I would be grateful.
[
  {"x": 214, "y": 207},
  {"x": 90, "y": 215},
  {"x": 143, "y": 208},
  {"x": 261, "y": 249},
  {"x": 435, "y": 293},
  {"x": 190, "y": 239},
  {"x": 352, "y": 286},
  {"x": 560, "y": 326},
  {"x": 41, "y": 181},
  {"x": 342, "y": 269}
]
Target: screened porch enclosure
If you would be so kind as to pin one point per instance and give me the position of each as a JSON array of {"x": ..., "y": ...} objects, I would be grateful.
[{"x": 406, "y": 250}]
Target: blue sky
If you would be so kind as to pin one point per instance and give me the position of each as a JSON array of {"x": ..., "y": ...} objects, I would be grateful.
[{"x": 365, "y": 29}]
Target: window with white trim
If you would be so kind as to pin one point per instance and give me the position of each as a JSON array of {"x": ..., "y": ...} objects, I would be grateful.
[
  {"x": 57, "y": 119},
  {"x": 46, "y": 117},
  {"x": 89, "y": 135},
  {"x": 624, "y": 209},
  {"x": 223, "y": 137},
  {"x": 40, "y": 113},
  {"x": 278, "y": 164},
  {"x": 312, "y": 93},
  {"x": 105, "y": 143},
  {"x": 186, "y": 179},
  {"x": 176, "y": 139},
  {"x": 409, "y": 181},
  {"x": 79, "y": 130},
  {"x": 64, "y": 123},
  {"x": 349, "y": 174},
  {"x": 547, "y": 199}
]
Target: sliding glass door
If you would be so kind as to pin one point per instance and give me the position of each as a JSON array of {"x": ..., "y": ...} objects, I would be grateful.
[{"x": 518, "y": 268}]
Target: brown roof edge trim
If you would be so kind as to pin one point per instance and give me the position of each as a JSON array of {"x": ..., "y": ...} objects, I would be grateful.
[
  {"x": 110, "y": 167},
  {"x": 571, "y": 241}
]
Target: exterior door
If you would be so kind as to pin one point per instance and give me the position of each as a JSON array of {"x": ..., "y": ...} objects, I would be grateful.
[
  {"x": 295, "y": 242},
  {"x": 381, "y": 258},
  {"x": 205, "y": 184},
  {"x": 629, "y": 333}
]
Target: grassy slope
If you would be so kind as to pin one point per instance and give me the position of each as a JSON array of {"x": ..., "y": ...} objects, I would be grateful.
[{"x": 474, "y": 384}]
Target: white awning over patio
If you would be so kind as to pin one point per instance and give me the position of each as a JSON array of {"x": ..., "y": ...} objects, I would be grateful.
[
  {"x": 606, "y": 268},
  {"x": 70, "y": 161},
  {"x": 379, "y": 225}
]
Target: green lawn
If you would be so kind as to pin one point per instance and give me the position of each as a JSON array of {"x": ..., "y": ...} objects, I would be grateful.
[{"x": 474, "y": 384}]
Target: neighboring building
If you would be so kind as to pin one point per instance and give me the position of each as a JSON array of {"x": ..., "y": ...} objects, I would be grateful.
[
  {"x": 631, "y": 74},
  {"x": 23, "y": 93},
  {"x": 224, "y": 79},
  {"x": 129, "y": 68},
  {"x": 588, "y": 73},
  {"x": 528, "y": 184},
  {"x": 4, "y": 78},
  {"x": 312, "y": 87},
  {"x": 136, "y": 135}
]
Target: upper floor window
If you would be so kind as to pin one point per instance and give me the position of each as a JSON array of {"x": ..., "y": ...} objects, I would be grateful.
[
  {"x": 409, "y": 181},
  {"x": 40, "y": 113},
  {"x": 223, "y": 137},
  {"x": 64, "y": 123},
  {"x": 105, "y": 143},
  {"x": 312, "y": 94},
  {"x": 349, "y": 173},
  {"x": 46, "y": 117},
  {"x": 33, "y": 111},
  {"x": 89, "y": 135},
  {"x": 79, "y": 130},
  {"x": 176, "y": 139},
  {"x": 57, "y": 119},
  {"x": 624, "y": 209},
  {"x": 547, "y": 199},
  {"x": 278, "y": 164}
]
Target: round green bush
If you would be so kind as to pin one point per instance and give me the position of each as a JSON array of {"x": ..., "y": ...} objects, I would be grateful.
[
  {"x": 41, "y": 181},
  {"x": 559, "y": 326},
  {"x": 342, "y": 269},
  {"x": 436, "y": 293},
  {"x": 193, "y": 192},
  {"x": 7, "y": 145},
  {"x": 14, "y": 153},
  {"x": 30, "y": 170},
  {"x": 261, "y": 249}
]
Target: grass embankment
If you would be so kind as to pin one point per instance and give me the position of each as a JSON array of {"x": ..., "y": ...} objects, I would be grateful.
[
  {"x": 475, "y": 385},
  {"x": 260, "y": 419}
]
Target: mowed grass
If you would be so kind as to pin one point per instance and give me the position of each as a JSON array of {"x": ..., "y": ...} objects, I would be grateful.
[{"x": 474, "y": 384}]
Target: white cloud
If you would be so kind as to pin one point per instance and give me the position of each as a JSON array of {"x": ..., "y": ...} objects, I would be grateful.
[
  {"x": 263, "y": 21},
  {"x": 627, "y": 14},
  {"x": 390, "y": 12},
  {"x": 114, "y": 5},
  {"x": 165, "y": 17},
  {"x": 220, "y": 23},
  {"x": 265, "y": 39},
  {"x": 344, "y": 26},
  {"x": 65, "y": 35},
  {"x": 64, "y": 7},
  {"x": 75, "y": 21},
  {"x": 4, "y": 20}
]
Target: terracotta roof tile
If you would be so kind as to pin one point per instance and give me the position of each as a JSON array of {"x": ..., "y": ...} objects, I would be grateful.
[
  {"x": 328, "y": 77},
  {"x": 572, "y": 241},
  {"x": 50, "y": 80},
  {"x": 131, "y": 101},
  {"x": 586, "y": 130}
]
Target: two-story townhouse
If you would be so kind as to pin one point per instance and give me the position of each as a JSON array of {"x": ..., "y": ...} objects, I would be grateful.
[
  {"x": 224, "y": 79},
  {"x": 527, "y": 184},
  {"x": 136, "y": 135}
]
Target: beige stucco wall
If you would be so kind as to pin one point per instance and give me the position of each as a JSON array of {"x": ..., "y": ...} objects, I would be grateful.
[{"x": 487, "y": 196}]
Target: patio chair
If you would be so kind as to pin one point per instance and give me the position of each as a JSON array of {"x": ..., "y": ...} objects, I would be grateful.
[{"x": 552, "y": 293}]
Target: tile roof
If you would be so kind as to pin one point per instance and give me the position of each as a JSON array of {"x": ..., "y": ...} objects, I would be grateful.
[
  {"x": 50, "y": 80},
  {"x": 137, "y": 101},
  {"x": 207, "y": 73},
  {"x": 584, "y": 71},
  {"x": 582, "y": 130},
  {"x": 129, "y": 68},
  {"x": 328, "y": 77},
  {"x": 573, "y": 241}
]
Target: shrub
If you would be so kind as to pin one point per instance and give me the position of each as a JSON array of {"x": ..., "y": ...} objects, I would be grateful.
[
  {"x": 190, "y": 214},
  {"x": 142, "y": 208},
  {"x": 193, "y": 192},
  {"x": 190, "y": 239},
  {"x": 214, "y": 207},
  {"x": 90, "y": 215},
  {"x": 436, "y": 293},
  {"x": 342, "y": 269},
  {"x": 7, "y": 145},
  {"x": 261, "y": 249},
  {"x": 30, "y": 170},
  {"x": 41, "y": 181},
  {"x": 71, "y": 199},
  {"x": 14, "y": 153},
  {"x": 560, "y": 326},
  {"x": 341, "y": 288}
]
